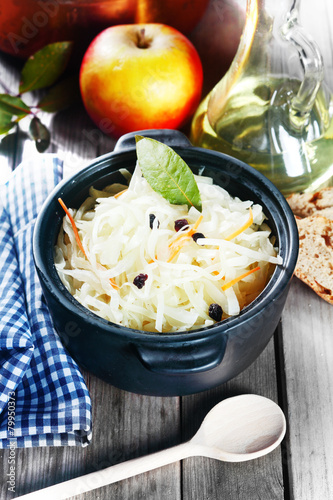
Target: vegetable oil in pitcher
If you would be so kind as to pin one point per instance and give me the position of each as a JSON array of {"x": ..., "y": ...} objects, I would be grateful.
[{"x": 280, "y": 125}]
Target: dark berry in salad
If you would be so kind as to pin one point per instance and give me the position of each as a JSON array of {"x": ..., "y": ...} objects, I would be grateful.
[
  {"x": 152, "y": 217},
  {"x": 196, "y": 236},
  {"x": 140, "y": 279},
  {"x": 215, "y": 312},
  {"x": 180, "y": 224}
]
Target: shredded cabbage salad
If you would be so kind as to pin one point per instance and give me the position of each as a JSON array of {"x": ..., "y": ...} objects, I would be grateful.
[{"x": 138, "y": 271}]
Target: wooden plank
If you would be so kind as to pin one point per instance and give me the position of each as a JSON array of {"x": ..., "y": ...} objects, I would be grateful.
[
  {"x": 76, "y": 139},
  {"x": 207, "y": 478},
  {"x": 308, "y": 354}
]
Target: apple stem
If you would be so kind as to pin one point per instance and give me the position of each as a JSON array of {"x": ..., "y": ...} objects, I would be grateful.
[{"x": 143, "y": 43}]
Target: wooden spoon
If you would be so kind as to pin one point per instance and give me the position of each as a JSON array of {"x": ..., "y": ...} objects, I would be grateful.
[{"x": 237, "y": 429}]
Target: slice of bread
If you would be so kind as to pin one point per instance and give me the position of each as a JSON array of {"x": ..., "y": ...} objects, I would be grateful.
[
  {"x": 325, "y": 212},
  {"x": 315, "y": 261},
  {"x": 305, "y": 204}
]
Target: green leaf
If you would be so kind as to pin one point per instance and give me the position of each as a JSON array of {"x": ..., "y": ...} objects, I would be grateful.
[
  {"x": 45, "y": 67},
  {"x": 167, "y": 173},
  {"x": 61, "y": 96},
  {"x": 13, "y": 106},
  {"x": 12, "y": 109},
  {"x": 40, "y": 134}
]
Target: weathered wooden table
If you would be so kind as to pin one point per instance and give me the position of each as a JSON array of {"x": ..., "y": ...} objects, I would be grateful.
[{"x": 295, "y": 370}]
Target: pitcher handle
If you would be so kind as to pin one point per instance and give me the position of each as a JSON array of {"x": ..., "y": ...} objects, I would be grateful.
[{"x": 312, "y": 62}]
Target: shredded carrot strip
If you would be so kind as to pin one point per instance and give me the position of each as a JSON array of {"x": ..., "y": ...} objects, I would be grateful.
[
  {"x": 76, "y": 233},
  {"x": 239, "y": 278},
  {"x": 120, "y": 192},
  {"x": 187, "y": 233},
  {"x": 247, "y": 224},
  {"x": 180, "y": 241},
  {"x": 113, "y": 283},
  {"x": 196, "y": 224},
  {"x": 174, "y": 253}
]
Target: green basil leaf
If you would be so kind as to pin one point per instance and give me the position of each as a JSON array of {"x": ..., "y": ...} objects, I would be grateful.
[
  {"x": 45, "y": 67},
  {"x": 39, "y": 134},
  {"x": 167, "y": 173},
  {"x": 61, "y": 96}
]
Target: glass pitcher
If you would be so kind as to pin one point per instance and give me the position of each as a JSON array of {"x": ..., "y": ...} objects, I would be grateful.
[{"x": 272, "y": 109}]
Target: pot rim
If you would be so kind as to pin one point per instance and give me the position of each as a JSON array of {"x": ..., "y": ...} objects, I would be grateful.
[{"x": 278, "y": 282}]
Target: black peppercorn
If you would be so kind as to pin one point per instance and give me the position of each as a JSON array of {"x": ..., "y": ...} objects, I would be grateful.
[
  {"x": 140, "y": 279},
  {"x": 180, "y": 223},
  {"x": 215, "y": 312}
]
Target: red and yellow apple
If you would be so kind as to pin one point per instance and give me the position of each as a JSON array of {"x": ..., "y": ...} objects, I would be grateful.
[{"x": 140, "y": 76}]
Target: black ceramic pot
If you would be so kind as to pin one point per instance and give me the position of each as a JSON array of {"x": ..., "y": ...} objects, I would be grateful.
[{"x": 166, "y": 364}]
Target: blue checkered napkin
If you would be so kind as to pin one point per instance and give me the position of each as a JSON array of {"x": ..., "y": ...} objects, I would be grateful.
[{"x": 43, "y": 397}]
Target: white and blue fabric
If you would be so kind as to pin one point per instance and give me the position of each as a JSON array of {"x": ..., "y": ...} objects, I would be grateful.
[{"x": 44, "y": 400}]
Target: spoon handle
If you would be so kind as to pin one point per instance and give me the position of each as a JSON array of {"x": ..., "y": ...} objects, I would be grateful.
[{"x": 118, "y": 472}]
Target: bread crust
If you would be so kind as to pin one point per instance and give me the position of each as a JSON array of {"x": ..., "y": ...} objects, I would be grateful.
[{"x": 306, "y": 204}]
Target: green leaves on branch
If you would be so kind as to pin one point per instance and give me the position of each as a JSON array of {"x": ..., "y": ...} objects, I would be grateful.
[
  {"x": 41, "y": 71},
  {"x": 45, "y": 67},
  {"x": 12, "y": 109},
  {"x": 167, "y": 173}
]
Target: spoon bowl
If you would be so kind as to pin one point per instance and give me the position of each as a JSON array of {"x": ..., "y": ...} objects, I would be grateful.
[
  {"x": 237, "y": 429},
  {"x": 240, "y": 428}
]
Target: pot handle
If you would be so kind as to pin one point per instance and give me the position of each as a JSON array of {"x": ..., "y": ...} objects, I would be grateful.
[
  {"x": 191, "y": 357},
  {"x": 169, "y": 137}
]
